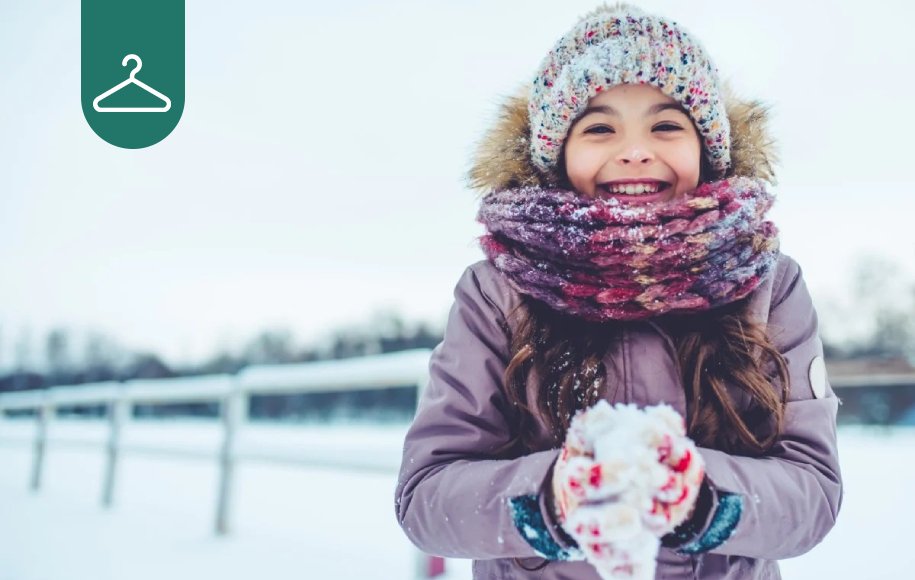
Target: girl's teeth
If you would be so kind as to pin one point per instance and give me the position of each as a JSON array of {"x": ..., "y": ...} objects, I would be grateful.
[{"x": 636, "y": 189}]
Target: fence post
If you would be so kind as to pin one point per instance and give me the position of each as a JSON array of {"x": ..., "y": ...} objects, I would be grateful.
[
  {"x": 118, "y": 413},
  {"x": 234, "y": 411},
  {"x": 43, "y": 416}
]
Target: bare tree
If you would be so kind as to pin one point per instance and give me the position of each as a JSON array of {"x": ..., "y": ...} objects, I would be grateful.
[
  {"x": 102, "y": 358},
  {"x": 884, "y": 295},
  {"x": 270, "y": 347},
  {"x": 57, "y": 354}
]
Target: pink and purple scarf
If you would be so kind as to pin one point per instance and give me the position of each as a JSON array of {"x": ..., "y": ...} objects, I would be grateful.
[{"x": 601, "y": 260}]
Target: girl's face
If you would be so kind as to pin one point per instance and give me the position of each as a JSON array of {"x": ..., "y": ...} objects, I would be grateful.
[{"x": 635, "y": 144}]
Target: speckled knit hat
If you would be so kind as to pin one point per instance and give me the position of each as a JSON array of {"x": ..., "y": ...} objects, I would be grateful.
[{"x": 620, "y": 44}]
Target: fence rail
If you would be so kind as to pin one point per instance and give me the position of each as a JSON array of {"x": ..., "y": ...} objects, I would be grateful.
[{"x": 232, "y": 392}]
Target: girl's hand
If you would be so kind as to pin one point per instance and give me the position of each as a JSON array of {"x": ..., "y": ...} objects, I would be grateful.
[{"x": 624, "y": 478}]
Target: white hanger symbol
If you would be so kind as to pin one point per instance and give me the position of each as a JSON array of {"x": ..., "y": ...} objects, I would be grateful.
[{"x": 133, "y": 79}]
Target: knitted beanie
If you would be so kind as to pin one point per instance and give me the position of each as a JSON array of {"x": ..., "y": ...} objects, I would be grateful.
[{"x": 623, "y": 45}]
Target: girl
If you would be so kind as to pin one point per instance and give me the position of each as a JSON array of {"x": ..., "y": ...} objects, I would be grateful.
[{"x": 629, "y": 260}]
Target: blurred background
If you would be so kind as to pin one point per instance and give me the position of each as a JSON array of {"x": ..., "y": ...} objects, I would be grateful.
[{"x": 310, "y": 208}]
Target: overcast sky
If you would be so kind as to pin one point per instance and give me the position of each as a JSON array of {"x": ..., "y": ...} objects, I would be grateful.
[{"x": 316, "y": 175}]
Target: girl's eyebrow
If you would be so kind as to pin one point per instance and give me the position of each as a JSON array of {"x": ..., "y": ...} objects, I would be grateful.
[{"x": 654, "y": 110}]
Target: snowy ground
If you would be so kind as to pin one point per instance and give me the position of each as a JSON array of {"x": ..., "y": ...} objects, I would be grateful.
[{"x": 295, "y": 521}]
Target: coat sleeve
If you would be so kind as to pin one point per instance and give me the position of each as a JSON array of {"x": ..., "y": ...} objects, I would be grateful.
[
  {"x": 782, "y": 504},
  {"x": 454, "y": 497}
]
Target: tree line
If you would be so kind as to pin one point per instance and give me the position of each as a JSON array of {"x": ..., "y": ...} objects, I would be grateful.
[{"x": 876, "y": 323}]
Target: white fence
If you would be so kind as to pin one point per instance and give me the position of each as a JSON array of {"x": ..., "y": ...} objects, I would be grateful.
[{"x": 232, "y": 392}]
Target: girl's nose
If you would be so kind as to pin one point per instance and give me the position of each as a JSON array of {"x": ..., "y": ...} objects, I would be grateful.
[{"x": 631, "y": 155}]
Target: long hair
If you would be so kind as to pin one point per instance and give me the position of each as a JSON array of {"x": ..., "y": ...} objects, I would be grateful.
[{"x": 717, "y": 351}]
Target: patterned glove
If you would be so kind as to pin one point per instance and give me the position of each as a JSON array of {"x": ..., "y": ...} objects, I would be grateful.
[{"x": 624, "y": 478}]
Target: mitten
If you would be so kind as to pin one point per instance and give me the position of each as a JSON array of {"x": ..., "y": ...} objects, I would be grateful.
[{"x": 624, "y": 478}]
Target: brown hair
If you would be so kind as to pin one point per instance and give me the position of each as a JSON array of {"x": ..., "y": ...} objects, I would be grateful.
[{"x": 714, "y": 350}]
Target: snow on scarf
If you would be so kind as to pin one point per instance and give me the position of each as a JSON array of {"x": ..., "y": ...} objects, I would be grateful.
[{"x": 600, "y": 259}]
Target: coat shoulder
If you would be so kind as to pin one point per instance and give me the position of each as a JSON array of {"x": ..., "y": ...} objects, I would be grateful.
[
  {"x": 787, "y": 273},
  {"x": 775, "y": 287},
  {"x": 493, "y": 286}
]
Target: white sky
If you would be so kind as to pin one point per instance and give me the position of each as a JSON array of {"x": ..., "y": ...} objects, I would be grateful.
[{"x": 316, "y": 174}]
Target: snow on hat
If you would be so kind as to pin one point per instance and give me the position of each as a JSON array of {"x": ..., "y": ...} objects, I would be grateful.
[{"x": 623, "y": 45}]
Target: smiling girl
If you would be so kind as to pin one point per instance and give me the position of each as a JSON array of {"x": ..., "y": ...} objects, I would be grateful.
[{"x": 629, "y": 260}]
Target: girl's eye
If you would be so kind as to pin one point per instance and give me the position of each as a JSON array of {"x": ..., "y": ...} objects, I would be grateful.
[
  {"x": 668, "y": 127},
  {"x": 600, "y": 129}
]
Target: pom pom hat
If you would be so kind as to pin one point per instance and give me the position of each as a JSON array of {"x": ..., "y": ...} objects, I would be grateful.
[{"x": 623, "y": 45}]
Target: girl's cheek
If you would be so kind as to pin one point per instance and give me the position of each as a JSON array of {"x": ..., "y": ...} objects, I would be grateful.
[
  {"x": 575, "y": 173},
  {"x": 687, "y": 168},
  {"x": 582, "y": 164}
]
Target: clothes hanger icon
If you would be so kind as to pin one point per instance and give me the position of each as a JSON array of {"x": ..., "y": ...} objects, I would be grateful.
[{"x": 132, "y": 79}]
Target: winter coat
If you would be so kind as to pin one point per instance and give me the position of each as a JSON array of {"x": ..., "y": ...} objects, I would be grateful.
[{"x": 456, "y": 498}]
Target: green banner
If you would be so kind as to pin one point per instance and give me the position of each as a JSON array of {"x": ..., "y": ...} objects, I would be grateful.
[{"x": 132, "y": 56}]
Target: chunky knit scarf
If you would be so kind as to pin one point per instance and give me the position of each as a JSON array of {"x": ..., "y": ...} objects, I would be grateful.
[{"x": 601, "y": 260}]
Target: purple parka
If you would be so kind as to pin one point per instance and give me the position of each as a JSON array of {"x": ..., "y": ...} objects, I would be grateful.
[{"x": 456, "y": 498}]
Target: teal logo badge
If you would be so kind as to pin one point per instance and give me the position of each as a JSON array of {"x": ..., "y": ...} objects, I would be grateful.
[{"x": 132, "y": 58}]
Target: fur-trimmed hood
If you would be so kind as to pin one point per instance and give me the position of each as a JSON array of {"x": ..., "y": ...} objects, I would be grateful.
[{"x": 503, "y": 160}]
